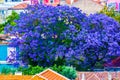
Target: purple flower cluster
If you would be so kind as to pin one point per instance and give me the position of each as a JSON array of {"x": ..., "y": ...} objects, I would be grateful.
[
  {"x": 44, "y": 33},
  {"x": 96, "y": 42}
]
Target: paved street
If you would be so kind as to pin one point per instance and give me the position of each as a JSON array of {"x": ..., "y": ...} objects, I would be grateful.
[{"x": 87, "y": 6}]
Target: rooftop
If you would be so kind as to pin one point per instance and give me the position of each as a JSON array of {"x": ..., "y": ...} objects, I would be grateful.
[
  {"x": 52, "y": 75},
  {"x": 20, "y": 6}
]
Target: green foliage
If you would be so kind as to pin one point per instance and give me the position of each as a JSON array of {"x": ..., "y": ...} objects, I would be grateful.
[
  {"x": 7, "y": 71},
  {"x": 69, "y": 72},
  {"x": 36, "y": 69},
  {"x": 31, "y": 70},
  {"x": 111, "y": 13},
  {"x": 60, "y": 61},
  {"x": 2, "y": 27},
  {"x": 64, "y": 70},
  {"x": 99, "y": 65},
  {"x": 57, "y": 68},
  {"x": 9, "y": 20}
]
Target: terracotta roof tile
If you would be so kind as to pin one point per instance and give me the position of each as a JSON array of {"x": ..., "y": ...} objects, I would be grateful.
[
  {"x": 100, "y": 75},
  {"x": 15, "y": 77},
  {"x": 37, "y": 77},
  {"x": 20, "y": 6},
  {"x": 93, "y": 77},
  {"x": 51, "y": 75},
  {"x": 103, "y": 75}
]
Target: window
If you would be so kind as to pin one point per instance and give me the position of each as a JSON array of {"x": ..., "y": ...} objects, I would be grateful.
[{"x": 11, "y": 50}]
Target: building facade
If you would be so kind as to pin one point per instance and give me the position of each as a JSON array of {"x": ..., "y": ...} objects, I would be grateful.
[
  {"x": 110, "y": 3},
  {"x": 7, "y": 6}
]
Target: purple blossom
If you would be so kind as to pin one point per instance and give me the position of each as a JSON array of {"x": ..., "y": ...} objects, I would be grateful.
[{"x": 49, "y": 32}]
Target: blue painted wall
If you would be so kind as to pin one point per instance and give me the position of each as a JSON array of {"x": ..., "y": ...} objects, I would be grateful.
[
  {"x": 3, "y": 56},
  {"x": 3, "y": 52}
]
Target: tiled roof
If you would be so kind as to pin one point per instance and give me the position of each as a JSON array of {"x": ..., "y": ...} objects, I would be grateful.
[
  {"x": 98, "y": 75},
  {"x": 98, "y": 1},
  {"x": 20, "y": 6},
  {"x": 4, "y": 38},
  {"x": 52, "y": 75},
  {"x": 37, "y": 77},
  {"x": 93, "y": 77},
  {"x": 102, "y": 75},
  {"x": 14, "y": 77},
  {"x": 88, "y": 76}
]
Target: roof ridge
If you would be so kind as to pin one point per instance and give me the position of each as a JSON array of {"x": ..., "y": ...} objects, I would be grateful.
[
  {"x": 39, "y": 76},
  {"x": 53, "y": 72}
]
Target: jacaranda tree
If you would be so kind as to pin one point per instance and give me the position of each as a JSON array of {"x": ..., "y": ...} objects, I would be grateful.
[
  {"x": 40, "y": 31},
  {"x": 95, "y": 44},
  {"x": 47, "y": 35}
]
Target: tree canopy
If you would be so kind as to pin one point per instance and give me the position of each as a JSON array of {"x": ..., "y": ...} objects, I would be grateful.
[
  {"x": 48, "y": 35},
  {"x": 9, "y": 20}
]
